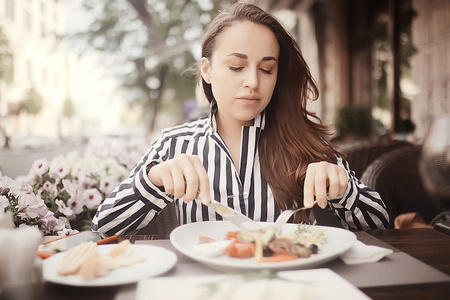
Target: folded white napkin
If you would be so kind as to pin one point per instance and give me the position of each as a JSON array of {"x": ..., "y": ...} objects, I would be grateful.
[{"x": 361, "y": 253}]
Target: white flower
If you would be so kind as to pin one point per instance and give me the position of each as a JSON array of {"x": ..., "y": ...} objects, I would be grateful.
[
  {"x": 62, "y": 208},
  {"x": 6, "y": 182},
  {"x": 4, "y": 203},
  {"x": 92, "y": 198},
  {"x": 49, "y": 187},
  {"x": 26, "y": 188},
  {"x": 66, "y": 232},
  {"x": 39, "y": 167},
  {"x": 71, "y": 187},
  {"x": 76, "y": 203},
  {"x": 61, "y": 224},
  {"x": 107, "y": 184},
  {"x": 60, "y": 170},
  {"x": 21, "y": 180}
]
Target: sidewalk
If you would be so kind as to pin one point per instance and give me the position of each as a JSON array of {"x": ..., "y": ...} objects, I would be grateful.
[{"x": 17, "y": 162}]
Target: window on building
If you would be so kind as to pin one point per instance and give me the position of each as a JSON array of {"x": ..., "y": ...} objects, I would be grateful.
[
  {"x": 56, "y": 80},
  {"x": 27, "y": 20},
  {"x": 43, "y": 29},
  {"x": 44, "y": 76},
  {"x": 43, "y": 22},
  {"x": 29, "y": 72},
  {"x": 9, "y": 9},
  {"x": 7, "y": 70}
]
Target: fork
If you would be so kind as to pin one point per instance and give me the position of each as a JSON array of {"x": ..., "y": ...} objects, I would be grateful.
[{"x": 285, "y": 215}]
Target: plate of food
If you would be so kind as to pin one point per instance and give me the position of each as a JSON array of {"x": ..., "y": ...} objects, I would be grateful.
[
  {"x": 89, "y": 264},
  {"x": 225, "y": 247}
]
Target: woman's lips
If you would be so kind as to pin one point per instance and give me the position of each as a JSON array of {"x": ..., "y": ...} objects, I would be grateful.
[{"x": 248, "y": 97}]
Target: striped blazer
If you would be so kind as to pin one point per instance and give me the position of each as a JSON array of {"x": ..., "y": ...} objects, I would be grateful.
[{"x": 136, "y": 201}]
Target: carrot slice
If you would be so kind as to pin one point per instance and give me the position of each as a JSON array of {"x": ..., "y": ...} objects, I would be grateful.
[
  {"x": 277, "y": 257},
  {"x": 232, "y": 235}
]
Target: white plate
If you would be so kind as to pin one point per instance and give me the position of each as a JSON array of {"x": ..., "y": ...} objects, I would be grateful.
[
  {"x": 183, "y": 238},
  {"x": 157, "y": 261},
  {"x": 320, "y": 284}
]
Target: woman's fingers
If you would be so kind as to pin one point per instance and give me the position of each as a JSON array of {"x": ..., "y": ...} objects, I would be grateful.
[
  {"x": 334, "y": 184},
  {"x": 308, "y": 187},
  {"x": 324, "y": 179},
  {"x": 320, "y": 185},
  {"x": 184, "y": 177}
]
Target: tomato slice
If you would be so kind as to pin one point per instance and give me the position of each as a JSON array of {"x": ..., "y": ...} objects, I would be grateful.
[
  {"x": 232, "y": 235},
  {"x": 239, "y": 250}
]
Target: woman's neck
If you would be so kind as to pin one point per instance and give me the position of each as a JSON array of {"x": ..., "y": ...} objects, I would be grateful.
[{"x": 230, "y": 132}]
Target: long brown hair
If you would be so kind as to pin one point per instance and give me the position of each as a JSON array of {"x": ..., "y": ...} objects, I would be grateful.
[{"x": 293, "y": 137}]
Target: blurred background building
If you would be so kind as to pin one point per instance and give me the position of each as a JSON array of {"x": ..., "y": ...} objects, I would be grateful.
[
  {"x": 81, "y": 69},
  {"x": 387, "y": 57},
  {"x": 34, "y": 71}
]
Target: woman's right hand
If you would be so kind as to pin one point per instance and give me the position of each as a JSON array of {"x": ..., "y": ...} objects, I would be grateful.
[{"x": 182, "y": 176}]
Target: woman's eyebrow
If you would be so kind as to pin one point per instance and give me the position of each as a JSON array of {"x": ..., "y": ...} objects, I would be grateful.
[
  {"x": 239, "y": 55},
  {"x": 243, "y": 56}
]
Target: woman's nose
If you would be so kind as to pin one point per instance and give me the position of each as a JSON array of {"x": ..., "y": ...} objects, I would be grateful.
[{"x": 251, "y": 79}]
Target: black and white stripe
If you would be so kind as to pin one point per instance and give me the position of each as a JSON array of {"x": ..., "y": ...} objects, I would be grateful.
[{"x": 136, "y": 201}]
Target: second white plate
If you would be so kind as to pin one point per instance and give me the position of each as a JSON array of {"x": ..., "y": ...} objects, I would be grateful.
[{"x": 158, "y": 261}]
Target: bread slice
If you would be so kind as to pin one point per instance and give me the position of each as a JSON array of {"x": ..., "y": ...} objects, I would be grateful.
[
  {"x": 75, "y": 256},
  {"x": 123, "y": 255},
  {"x": 122, "y": 247},
  {"x": 92, "y": 267}
]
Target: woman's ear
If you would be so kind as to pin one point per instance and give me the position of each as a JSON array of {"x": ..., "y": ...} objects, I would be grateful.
[{"x": 205, "y": 66}]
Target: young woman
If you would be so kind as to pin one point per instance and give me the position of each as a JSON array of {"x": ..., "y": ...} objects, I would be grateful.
[{"x": 259, "y": 151}]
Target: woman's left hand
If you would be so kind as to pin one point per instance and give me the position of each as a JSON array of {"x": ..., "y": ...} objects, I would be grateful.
[{"x": 323, "y": 178}]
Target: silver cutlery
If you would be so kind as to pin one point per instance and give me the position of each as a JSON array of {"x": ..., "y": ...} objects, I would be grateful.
[
  {"x": 285, "y": 215},
  {"x": 235, "y": 217}
]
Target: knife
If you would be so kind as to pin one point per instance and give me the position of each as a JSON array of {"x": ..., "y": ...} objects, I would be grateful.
[{"x": 234, "y": 217}]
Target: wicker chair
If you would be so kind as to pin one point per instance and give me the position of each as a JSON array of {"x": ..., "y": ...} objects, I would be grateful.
[
  {"x": 395, "y": 176},
  {"x": 163, "y": 224},
  {"x": 360, "y": 158}
]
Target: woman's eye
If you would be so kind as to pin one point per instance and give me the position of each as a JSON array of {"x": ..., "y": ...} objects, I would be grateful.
[
  {"x": 235, "y": 68},
  {"x": 267, "y": 71}
]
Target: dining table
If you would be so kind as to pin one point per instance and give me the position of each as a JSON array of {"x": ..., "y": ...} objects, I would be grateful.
[{"x": 418, "y": 268}]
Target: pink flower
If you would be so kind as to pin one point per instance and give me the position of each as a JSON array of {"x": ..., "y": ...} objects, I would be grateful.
[
  {"x": 48, "y": 220},
  {"x": 92, "y": 198},
  {"x": 62, "y": 208},
  {"x": 33, "y": 206}
]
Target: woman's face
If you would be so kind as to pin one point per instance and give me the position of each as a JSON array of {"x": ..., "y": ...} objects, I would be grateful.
[{"x": 243, "y": 71}]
